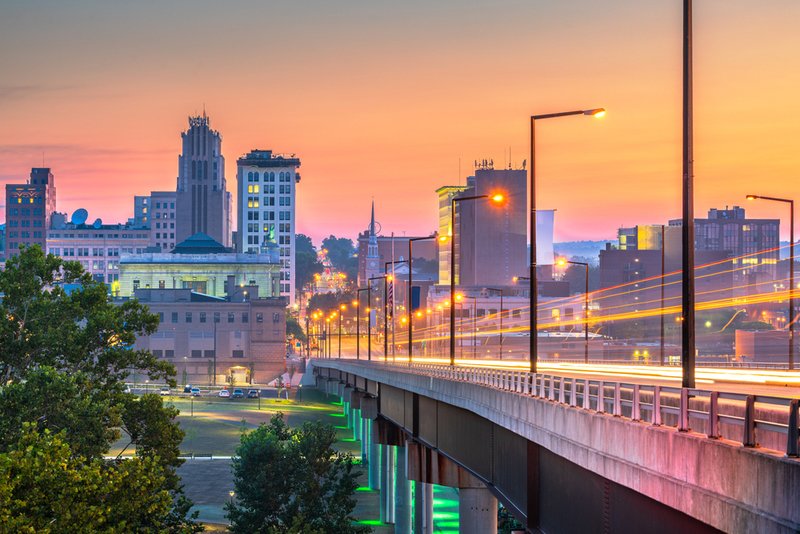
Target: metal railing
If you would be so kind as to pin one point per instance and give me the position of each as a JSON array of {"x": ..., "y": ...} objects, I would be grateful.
[{"x": 633, "y": 398}]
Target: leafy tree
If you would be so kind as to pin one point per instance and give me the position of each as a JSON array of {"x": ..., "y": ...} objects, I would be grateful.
[
  {"x": 294, "y": 329},
  {"x": 293, "y": 481},
  {"x": 576, "y": 276},
  {"x": 302, "y": 243},
  {"x": 756, "y": 325},
  {"x": 45, "y": 488},
  {"x": 339, "y": 250},
  {"x": 424, "y": 265},
  {"x": 81, "y": 330},
  {"x": 59, "y": 402},
  {"x": 306, "y": 266},
  {"x": 210, "y": 372}
]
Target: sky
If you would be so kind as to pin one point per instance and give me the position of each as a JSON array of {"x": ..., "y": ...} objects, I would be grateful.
[{"x": 388, "y": 101}]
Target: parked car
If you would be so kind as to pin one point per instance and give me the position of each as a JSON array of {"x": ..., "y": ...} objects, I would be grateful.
[
  {"x": 252, "y": 394},
  {"x": 224, "y": 393},
  {"x": 187, "y": 389},
  {"x": 195, "y": 392},
  {"x": 164, "y": 391},
  {"x": 238, "y": 394}
]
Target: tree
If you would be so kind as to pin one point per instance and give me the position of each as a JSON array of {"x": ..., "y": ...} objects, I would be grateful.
[
  {"x": 294, "y": 329},
  {"x": 45, "y": 488},
  {"x": 339, "y": 250},
  {"x": 302, "y": 243},
  {"x": 81, "y": 330},
  {"x": 64, "y": 356},
  {"x": 576, "y": 276},
  {"x": 306, "y": 266},
  {"x": 424, "y": 265},
  {"x": 210, "y": 372},
  {"x": 292, "y": 480}
]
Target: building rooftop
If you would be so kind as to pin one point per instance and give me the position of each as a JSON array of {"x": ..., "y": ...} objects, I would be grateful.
[
  {"x": 266, "y": 158},
  {"x": 200, "y": 243}
]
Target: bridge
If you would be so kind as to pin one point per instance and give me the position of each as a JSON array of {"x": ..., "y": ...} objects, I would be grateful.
[{"x": 573, "y": 451}]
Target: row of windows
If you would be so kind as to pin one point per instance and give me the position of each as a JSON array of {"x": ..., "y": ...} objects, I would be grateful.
[
  {"x": 253, "y": 202},
  {"x": 100, "y": 236},
  {"x": 29, "y": 200},
  {"x": 24, "y": 234},
  {"x": 270, "y": 177},
  {"x": 25, "y": 224},
  {"x": 26, "y": 211},
  {"x": 270, "y": 189},
  {"x": 171, "y": 205},
  {"x": 171, "y": 225},
  {"x": 270, "y": 215},
  {"x": 276, "y": 318},
  {"x": 171, "y": 235},
  {"x": 209, "y": 354}
]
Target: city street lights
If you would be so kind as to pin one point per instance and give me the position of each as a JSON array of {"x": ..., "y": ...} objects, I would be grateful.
[
  {"x": 496, "y": 197},
  {"x": 411, "y": 287},
  {"x": 534, "y": 343},
  {"x": 791, "y": 270},
  {"x": 341, "y": 308},
  {"x": 562, "y": 262}
]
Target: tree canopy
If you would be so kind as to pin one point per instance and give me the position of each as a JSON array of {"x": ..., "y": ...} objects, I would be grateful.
[{"x": 293, "y": 480}]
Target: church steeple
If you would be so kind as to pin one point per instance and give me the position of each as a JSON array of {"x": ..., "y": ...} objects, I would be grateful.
[
  {"x": 372, "y": 266},
  {"x": 372, "y": 221}
]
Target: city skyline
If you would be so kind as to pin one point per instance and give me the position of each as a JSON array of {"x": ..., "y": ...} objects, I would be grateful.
[{"x": 381, "y": 102}]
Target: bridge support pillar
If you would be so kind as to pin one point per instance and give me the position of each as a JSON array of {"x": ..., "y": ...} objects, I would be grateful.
[
  {"x": 423, "y": 508},
  {"x": 387, "y": 484},
  {"x": 402, "y": 495},
  {"x": 374, "y": 464},
  {"x": 365, "y": 460},
  {"x": 477, "y": 511}
]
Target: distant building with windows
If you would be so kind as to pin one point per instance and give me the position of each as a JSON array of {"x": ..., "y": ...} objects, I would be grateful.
[
  {"x": 215, "y": 338},
  {"x": 157, "y": 213},
  {"x": 28, "y": 210},
  {"x": 266, "y": 192},
  {"x": 204, "y": 266},
  {"x": 202, "y": 203}
]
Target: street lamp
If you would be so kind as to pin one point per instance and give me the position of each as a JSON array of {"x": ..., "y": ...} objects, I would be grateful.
[
  {"x": 411, "y": 287},
  {"x": 342, "y": 308},
  {"x": 791, "y": 271},
  {"x": 495, "y": 197},
  {"x": 474, "y": 322},
  {"x": 386, "y": 265},
  {"x": 386, "y": 280},
  {"x": 357, "y": 304},
  {"x": 562, "y": 262},
  {"x": 534, "y": 343},
  {"x": 231, "y": 494}
]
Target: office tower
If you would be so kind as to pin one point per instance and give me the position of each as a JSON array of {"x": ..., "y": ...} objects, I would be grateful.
[
  {"x": 266, "y": 187},
  {"x": 28, "y": 210},
  {"x": 203, "y": 203}
]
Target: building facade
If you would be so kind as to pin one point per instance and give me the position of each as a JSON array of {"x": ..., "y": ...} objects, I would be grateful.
[
  {"x": 267, "y": 188},
  {"x": 203, "y": 203},
  {"x": 446, "y": 195},
  {"x": 203, "y": 265},
  {"x": 28, "y": 210},
  {"x": 213, "y": 339}
]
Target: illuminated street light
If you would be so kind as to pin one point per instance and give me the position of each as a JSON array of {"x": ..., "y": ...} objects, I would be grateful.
[
  {"x": 441, "y": 239},
  {"x": 791, "y": 270},
  {"x": 534, "y": 341},
  {"x": 562, "y": 262}
]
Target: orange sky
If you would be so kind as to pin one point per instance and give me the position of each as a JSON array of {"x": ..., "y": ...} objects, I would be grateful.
[{"x": 381, "y": 99}]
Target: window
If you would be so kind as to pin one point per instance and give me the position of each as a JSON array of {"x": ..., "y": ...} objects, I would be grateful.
[
  {"x": 231, "y": 317},
  {"x": 160, "y": 317},
  {"x": 161, "y": 284},
  {"x": 238, "y": 354},
  {"x": 197, "y": 354},
  {"x": 276, "y": 317},
  {"x": 158, "y": 353},
  {"x": 169, "y": 353},
  {"x": 210, "y": 354},
  {"x": 259, "y": 317},
  {"x": 174, "y": 317},
  {"x": 188, "y": 317},
  {"x": 202, "y": 317},
  {"x": 216, "y": 317},
  {"x": 245, "y": 317}
]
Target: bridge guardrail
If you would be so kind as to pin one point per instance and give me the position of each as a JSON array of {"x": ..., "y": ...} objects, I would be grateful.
[{"x": 591, "y": 395}]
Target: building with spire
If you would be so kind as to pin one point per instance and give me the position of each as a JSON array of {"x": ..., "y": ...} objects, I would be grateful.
[
  {"x": 371, "y": 261},
  {"x": 203, "y": 203}
]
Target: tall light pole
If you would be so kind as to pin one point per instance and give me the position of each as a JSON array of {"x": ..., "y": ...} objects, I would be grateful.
[
  {"x": 357, "y": 304},
  {"x": 341, "y": 309},
  {"x": 411, "y": 287},
  {"x": 474, "y": 323},
  {"x": 386, "y": 280},
  {"x": 563, "y": 262},
  {"x": 497, "y": 197},
  {"x": 534, "y": 343},
  {"x": 791, "y": 270},
  {"x": 687, "y": 230}
]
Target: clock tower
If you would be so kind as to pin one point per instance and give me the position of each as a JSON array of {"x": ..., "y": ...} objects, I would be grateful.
[{"x": 373, "y": 259}]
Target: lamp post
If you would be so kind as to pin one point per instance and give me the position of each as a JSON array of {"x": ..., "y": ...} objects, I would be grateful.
[
  {"x": 791, "y": 270},
  {"x": 474, "y": 322},
  {"x": 385, "y": 323},
  {"x": 231, "y": 494},
  {"x": 411, "y": 289},
  {"x": 501, "y": 317},
  {"x": 563, "y": 262},
  {"x": 357, "y": 304},
  {"x": 386, "y": 302},
  {"x": 663, "y": 244},
  {"x": 534, "y": 343},
  {"x": 497, "y": 197},
  {"x": 341, "y": 309}
]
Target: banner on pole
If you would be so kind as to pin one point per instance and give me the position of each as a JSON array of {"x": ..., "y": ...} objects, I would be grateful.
[{"x": 544, "y": 237}]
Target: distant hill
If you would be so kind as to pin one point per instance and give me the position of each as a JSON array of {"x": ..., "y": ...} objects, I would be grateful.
[{"x": 587, "y": 249}]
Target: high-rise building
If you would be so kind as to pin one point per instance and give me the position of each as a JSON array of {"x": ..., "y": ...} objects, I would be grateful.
[
  {"x": 203, "y": 203},
  {"x": 162, "y": 219},
  {"x": 266, "y": 187},
  {"x": 490, "y": 238},
  {"x": 446, "y": 196},
  {"x": 28, "y": 210}
]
